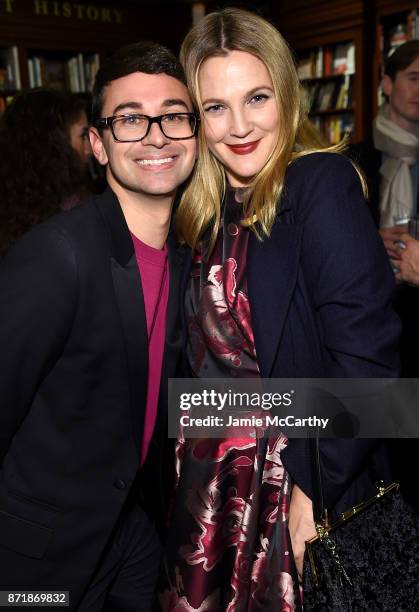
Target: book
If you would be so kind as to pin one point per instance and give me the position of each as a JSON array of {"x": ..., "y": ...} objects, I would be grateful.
[
  {"x": 9, "y": 67},
  {"x": 328, "y": 59},
  {"x": 80, "y": 72},
  {"x": 344, "y": 59},
  {"x": 53, "y": 73},
  {"x": 31, "y": 72}
]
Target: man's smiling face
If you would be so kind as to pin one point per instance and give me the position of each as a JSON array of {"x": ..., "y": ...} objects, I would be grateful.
[{"x": 156, "y": 165}]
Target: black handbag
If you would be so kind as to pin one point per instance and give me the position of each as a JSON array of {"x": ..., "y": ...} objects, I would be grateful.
[{"x": 366, "y": 561}]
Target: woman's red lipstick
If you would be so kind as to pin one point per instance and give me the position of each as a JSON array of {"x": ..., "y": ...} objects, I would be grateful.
[{"x": 244, "y": 149}]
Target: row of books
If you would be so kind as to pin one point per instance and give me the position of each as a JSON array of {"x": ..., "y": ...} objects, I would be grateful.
[
  {"x": 76, "y": 74},
  {"x": 335, "y": 128},
  {"x": 330, "y": 95},
  {"x": 400, "y": 33},
  {"x": 327, "y": 61},
  {"x": 5, "y": 101},
  {"x": 9, "y": 69},
  {"x": 392, "y": 36},
  {"x": 413, "y": 24}
]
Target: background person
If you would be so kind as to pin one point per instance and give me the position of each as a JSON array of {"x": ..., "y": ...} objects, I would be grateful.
[
  {"x": 391, "y": 166},
  {"x": 390, "y": 162},
  {"x": 289, "y": 279},
  {"x": 44, "y": 144}
]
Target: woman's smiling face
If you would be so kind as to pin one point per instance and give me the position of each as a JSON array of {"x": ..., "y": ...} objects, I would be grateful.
[{"x": 240, "y": 118}]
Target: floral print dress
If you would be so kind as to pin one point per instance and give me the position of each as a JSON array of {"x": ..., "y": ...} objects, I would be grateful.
[{"x": 229, "y": 547}]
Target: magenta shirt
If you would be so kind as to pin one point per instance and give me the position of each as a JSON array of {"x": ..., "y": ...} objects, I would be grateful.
[{"x": 154, "y": 273}]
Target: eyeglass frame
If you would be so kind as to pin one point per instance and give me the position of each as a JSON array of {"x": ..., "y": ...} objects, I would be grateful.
[{"x": 107, "y": 122}]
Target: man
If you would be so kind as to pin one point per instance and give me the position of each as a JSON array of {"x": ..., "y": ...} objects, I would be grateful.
[
  {"x": 89, "y": 334},
  {"x": 391, "y": 167}
]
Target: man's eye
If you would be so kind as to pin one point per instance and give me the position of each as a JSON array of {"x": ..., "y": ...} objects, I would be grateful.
[
  {"x": 176, "y": 118},
  {"x": 132, "y": 120}
]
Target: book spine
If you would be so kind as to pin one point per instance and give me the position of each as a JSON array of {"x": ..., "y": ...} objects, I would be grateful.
[
  {"x": 80, "y": 70},
  {"x": 31, "y": 72},
  {"x": 327, "y": 61},
  {"x": 15, "y": 68},
  {"x": 37, "y": 71}
]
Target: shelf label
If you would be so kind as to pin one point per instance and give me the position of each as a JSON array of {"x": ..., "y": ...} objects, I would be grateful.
[{"x": 68, "y": 10}]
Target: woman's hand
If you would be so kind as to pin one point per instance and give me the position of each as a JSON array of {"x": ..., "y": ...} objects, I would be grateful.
[{"x": 300, "y": 524}]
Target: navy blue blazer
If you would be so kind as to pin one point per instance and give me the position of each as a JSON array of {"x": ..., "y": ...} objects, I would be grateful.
[{"x": 320, "y": 292}]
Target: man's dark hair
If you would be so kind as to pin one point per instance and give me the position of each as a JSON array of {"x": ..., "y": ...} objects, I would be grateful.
[
  {"x": 143, "y": 56},
  {"x": 402, "y": 57}
]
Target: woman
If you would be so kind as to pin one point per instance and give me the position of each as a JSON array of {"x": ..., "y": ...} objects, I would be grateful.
[
  {"x": 289, "y": 279},
  {"x": 43, "y": 140}
]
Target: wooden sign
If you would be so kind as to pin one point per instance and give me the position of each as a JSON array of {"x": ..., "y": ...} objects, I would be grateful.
[{"x": 66, "y": 10}]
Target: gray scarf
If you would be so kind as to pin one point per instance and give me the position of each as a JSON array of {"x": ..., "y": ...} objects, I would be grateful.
[{"x": 402, "y": 148}]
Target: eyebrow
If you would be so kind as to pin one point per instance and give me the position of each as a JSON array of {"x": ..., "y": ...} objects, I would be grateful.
[
  {"x": 138, "y": 105},
  {"x": 247, "y": 94}
]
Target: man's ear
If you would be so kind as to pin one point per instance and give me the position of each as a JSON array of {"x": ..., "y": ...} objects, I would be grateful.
[
  {"x": 98, "y": 148},
  {"x": 387, "y": 85}
]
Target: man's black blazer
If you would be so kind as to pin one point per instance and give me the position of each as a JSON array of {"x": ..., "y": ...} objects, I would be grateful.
[{"x": 73, "y": 363}]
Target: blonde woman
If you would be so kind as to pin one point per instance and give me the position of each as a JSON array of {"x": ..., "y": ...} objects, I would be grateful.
[{"x": 289, "y": 279}]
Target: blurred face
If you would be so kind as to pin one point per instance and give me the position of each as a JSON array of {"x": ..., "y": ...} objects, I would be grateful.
[
  {"x": 403, "y": 94},
  {"x": 79, "y": 137},
  {"x": 155, "y": 166},
  {"x": 241, "y": 119}
]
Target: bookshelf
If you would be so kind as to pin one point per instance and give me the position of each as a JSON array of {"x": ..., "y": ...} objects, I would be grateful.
[
  {"x": 396, "y": 22},
  {"x": 66, "y": 70},
  {"x": 327, "y": 74},
  {"x": 63, "y": 70},
  {"x": 10, "y": 81},
  {"x": 60, "y": 44},
  {"x": 334, "y": 60}
]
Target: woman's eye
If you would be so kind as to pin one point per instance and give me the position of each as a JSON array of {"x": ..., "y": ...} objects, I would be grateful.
[
  {"x": 214, "y": 108},
  {"x": 258, "y": 98}
]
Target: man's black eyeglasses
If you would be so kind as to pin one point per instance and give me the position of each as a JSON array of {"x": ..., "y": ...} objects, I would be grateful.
[{"x": 133, "y": 127}]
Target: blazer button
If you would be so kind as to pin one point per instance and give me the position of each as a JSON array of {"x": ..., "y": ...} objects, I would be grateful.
[{"x": 120, "y": 484}]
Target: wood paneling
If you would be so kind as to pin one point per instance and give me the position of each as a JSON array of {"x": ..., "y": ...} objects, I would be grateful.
[{"x": 84, "y": 26}]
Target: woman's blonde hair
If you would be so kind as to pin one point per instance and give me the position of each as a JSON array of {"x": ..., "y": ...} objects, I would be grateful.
[{"x": 216, "y": 35}]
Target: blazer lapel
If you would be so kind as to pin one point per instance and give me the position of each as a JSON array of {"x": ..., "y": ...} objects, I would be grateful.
[
  {"x": 130, "y": 301},
  {"x": 272, "y": 269}
]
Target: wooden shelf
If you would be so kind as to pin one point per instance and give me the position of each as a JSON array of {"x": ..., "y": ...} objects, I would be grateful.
[
  {"x": 332, "y": 111},
  {"x": 324, "y": 79},
  {"x": 60, "y": 28}
]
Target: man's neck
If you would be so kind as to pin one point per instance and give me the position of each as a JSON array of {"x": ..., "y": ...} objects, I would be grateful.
[
  {"x": 402, "y": 122},
  {"x": 147, "y": 217}
]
